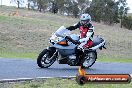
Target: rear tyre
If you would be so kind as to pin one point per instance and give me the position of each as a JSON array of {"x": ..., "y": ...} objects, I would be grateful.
[
  {"x": 89, "y": 59},
  {"x": 44, "y": 59}
]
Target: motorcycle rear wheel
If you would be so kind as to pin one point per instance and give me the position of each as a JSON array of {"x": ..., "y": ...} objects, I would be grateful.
[
  {"x": 44, "y": 59},
  {"x": 89, "y": 59}
]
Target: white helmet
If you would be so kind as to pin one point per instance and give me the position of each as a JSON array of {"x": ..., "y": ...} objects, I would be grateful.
[{"x": 85, "y": 19}]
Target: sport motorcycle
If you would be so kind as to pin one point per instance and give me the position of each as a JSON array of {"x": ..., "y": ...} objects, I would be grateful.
[{"x": 64, "y": 48}]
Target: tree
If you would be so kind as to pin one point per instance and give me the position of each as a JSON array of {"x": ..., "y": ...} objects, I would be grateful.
[
  {"x": 59, "y": 5},
  {"x": 110, "y": 15},
  {"x": 104, "y": 10},
  {"x": 68, "y": 6},
  {"x": 83, "y": 5},
  {"x": 54, "y": 7},
  {"x": 18, "y": 2},
  {"x": 41, "y": 4},
  {"x": 123, "y": 9},
  {"x": 96, "y": 10},
  {"x": 75, "y": 10},
  {"x": 1, "y": 3}
]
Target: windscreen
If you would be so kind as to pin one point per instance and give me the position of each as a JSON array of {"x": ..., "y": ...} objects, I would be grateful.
[{"x": 62, "y": 32}]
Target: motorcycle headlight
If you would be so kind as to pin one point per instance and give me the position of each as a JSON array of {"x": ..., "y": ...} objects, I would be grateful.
[{"x": 54, "y": 38}]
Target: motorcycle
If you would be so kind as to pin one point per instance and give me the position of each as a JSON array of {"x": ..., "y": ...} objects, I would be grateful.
[{"x": 64, "y": 49}]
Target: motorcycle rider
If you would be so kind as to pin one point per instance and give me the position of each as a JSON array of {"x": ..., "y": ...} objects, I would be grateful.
[{"x": 86, "y": 31}]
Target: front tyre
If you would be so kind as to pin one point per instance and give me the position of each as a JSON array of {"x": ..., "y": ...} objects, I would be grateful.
[
  {"x": 44, "y": 59},
  {"x": 89, "y": 59}
]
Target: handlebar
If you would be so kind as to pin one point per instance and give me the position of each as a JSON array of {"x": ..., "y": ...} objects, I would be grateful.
[{"x": 71, "y": 40}]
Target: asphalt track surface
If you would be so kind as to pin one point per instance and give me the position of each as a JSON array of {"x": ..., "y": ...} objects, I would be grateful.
[{"x": 27, "y": 68}]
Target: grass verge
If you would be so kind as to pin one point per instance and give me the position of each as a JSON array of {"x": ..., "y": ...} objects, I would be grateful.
[
  {"x": 60, "y": 83},
  {"x": 121, "y": 60},
  {"x": 33, "y": 55}
]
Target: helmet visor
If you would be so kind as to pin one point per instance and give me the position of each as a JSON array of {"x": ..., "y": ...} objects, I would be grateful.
[{"x": 85, "y": 21}]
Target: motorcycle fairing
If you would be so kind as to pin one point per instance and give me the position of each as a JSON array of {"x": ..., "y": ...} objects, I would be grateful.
[{"x": 65, "y": 50}]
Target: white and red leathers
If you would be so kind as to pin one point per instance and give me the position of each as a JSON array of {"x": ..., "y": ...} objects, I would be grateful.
[{"x": 86, "y": 34}]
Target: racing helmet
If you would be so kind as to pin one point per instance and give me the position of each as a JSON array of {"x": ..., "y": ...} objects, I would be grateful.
[{"x": 85, "y": 19}]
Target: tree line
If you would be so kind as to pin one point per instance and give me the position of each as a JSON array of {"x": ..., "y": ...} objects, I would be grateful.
[
  {"x": 127, "y": 22},
  {"x": 107, "y": 11}
]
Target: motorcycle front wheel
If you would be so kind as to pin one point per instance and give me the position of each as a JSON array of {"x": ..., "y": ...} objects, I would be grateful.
[
  {"x": 89, "y": 59},
  {"x": 44, "y": 59}
]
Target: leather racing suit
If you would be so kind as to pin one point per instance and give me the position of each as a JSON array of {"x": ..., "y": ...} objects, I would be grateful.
[{"x": 86, "y": 34}]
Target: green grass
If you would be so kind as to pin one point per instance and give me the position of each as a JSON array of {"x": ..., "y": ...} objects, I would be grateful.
[
  {"x": 60, "y": 83},
  {"x": 2, "y": 18},
  {"x": 122, "y": 60},
  {"x": 31, "y": 55},
  {"x": 25, "y": 20},
  {"x": 129, "y": 14}
]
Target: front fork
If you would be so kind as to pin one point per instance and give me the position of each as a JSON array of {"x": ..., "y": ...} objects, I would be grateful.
[{"x": 52, "y": 51}]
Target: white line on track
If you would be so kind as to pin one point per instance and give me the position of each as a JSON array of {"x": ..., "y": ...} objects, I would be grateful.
[{"x": 30, "y": 79}]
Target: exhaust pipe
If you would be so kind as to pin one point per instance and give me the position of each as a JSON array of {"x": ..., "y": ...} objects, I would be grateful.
[{"x": 96, "y": 47}]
